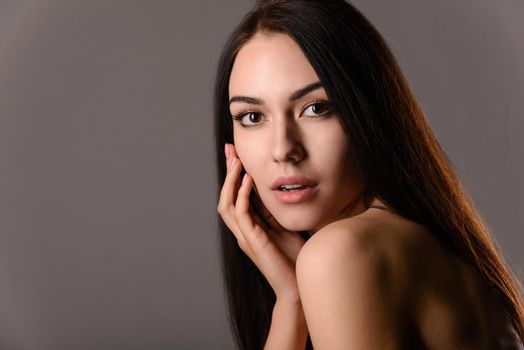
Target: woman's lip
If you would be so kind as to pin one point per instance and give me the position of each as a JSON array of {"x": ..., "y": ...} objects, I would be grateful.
[
  {"x": 292, "y": 197},
  {"x": 292, "y": 180}
]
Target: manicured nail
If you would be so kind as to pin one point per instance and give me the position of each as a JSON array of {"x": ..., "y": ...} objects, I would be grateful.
[{"x": 226, "y": 150}]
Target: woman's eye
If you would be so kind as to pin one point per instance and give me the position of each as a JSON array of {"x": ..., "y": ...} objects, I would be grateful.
[
  {"x": 248, "y": 118},
  {"x": 317, "y": 108}
]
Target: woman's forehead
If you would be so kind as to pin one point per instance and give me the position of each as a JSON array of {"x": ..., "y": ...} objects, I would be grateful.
[{"x": 269, "y": 64}]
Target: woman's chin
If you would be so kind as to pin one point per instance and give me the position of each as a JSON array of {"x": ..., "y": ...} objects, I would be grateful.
[{"x": 296, "y": 224}]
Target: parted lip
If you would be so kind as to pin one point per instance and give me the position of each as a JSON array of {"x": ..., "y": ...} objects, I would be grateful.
[{"x": 292, "y": 180}]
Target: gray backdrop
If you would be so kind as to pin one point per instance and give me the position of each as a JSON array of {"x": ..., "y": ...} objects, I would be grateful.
[{"x": 107, "y": 207}]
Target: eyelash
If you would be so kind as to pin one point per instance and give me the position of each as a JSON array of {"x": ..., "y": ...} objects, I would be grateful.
[{"x": 240, "y": 115}]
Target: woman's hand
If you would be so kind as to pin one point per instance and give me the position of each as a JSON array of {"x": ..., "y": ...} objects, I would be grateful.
[{"x": 272, "y": 248}]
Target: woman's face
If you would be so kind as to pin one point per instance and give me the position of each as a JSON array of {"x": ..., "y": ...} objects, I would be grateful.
[{"x": 285, "y": 130}]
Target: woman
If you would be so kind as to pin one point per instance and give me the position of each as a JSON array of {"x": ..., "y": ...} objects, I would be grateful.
[{"x": 350, "y": 228}]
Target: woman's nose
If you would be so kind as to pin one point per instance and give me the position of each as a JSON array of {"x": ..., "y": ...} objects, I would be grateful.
[{"x": 286, "y": 144}]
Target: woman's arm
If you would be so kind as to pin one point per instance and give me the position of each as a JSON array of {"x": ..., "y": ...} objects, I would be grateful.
[{"x": 288, "y": 327}]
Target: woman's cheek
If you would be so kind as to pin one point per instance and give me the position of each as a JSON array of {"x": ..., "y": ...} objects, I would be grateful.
[
  {"x": 251, "y": 171},
  {"x": 250, "y": 166},
  {"x": 245, "y": 158}
]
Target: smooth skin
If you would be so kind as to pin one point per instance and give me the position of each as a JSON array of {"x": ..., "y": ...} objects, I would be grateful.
[
  {"x": 366, "y": 278},
  {"x": 272, "y": 249},
  {"x": 285, "y": 127}
]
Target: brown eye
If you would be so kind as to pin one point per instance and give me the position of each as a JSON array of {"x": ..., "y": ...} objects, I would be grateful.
[
  {"x": 253, "y": 117},
  {"x": 248, "y": 119},
  {"x": 317, "y": 108}
]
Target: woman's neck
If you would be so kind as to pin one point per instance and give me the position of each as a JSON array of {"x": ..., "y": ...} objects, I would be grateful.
[{"x": 354, "y": 208}]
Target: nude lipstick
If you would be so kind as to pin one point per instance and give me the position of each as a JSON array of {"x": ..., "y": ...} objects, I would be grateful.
[{"x": 293, "y": 189}]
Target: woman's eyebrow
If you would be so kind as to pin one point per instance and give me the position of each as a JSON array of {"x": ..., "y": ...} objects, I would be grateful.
[
  {"x": 294, "y": 96},
  {"x": 304, "y": 91}
]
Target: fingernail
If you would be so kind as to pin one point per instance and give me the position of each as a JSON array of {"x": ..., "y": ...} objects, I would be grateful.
[
  {"x": 226, "y": 150},
  {"x": 244, "y": 178}
]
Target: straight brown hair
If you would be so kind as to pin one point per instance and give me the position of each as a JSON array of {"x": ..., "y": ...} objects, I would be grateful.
[{"x": 400, "y": 160}]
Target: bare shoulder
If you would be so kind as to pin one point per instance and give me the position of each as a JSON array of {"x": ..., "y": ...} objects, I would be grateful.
[
  {"x": 378, "y": 241},
  {"x": 378, "y": 280},
  {"x": 354, "y": 279}
]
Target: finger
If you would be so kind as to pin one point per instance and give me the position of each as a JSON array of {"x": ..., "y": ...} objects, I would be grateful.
[
  {"x": 229, "y": 189},
  {"x": 227, "y": 199},
  {"x": 260, "y": 213},
  {"x": 266, "y": 215},
  {"x": 240, "y": 234},
  {"x": 231, "y": 157},
  {"x": 259, "y": 206},
  {"x": 228, "y": 193},
  {"x": 232, "y": 151},
  {"x": 253, "y": 233},
  {"x": 264, "y": 225},
  {"x": 259, "y": 220}
]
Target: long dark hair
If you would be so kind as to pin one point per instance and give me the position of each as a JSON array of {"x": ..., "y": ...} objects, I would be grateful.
[{"x": 399, "y": 158}]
